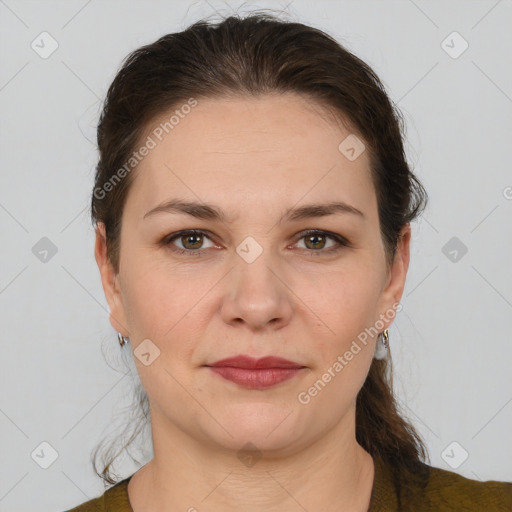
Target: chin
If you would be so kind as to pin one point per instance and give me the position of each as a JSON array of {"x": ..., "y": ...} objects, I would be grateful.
[{"x": 269, "y": 427}]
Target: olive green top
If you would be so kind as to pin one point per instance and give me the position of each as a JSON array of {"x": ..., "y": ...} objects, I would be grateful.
[{"x": 445, "y": 491}]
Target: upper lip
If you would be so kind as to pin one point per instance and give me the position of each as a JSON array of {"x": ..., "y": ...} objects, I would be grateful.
[{"x": 243, "y": 361}]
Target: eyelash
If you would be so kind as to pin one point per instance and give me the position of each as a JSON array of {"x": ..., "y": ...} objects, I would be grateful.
[{"x": 341, "y": 241}]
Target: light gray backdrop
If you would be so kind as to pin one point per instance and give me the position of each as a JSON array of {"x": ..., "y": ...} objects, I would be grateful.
[{"x": 446, "y": 64}]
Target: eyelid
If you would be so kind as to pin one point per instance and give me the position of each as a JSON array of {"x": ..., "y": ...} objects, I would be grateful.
[
  {"x": 340, "y": 240},
  {"x": 167, "y": 240},
  {"x": 328, "y": 234}
]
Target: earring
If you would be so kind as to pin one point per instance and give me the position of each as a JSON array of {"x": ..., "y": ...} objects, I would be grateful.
[
  {"x": 382, "y": 347},
  {"x": 122, "y": 339}
]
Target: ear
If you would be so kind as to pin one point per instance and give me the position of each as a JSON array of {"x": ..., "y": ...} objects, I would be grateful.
[
  {"x": 395, "y": 283},
  {"x": 108, "y": 280}
]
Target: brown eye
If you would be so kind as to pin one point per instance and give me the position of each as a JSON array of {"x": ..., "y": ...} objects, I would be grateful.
[
  {"x": 192, "y": 241},
  {"x": 315, "y": 241}
]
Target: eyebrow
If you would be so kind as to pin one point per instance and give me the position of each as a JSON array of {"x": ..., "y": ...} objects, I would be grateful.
[{"x": 212, "y": 212}]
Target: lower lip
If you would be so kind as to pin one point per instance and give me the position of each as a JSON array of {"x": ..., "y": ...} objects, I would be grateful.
[{"x": 256, "y": 379}]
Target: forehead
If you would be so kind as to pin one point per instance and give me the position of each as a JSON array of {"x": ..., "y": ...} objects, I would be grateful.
[
  {"x": 252, "y": 147},
  {"x": 244, "y": 124}
]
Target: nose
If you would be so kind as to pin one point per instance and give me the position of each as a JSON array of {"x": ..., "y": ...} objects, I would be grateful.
[{"x": 257, "y": 295}]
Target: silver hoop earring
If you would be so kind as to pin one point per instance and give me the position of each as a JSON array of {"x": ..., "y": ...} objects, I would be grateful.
[
  {"x": 123, "y": 340},
  {"x": 381, "y": 350}
]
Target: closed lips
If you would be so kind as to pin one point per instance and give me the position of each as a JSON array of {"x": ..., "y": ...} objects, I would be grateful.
[{"x": 251, "y": 363}]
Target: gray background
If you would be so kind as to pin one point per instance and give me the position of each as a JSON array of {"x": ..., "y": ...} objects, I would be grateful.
[{"x": 61, "y": 376}]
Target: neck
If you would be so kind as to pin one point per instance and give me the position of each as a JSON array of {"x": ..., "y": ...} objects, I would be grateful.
[{"x": 331, "y": 474}]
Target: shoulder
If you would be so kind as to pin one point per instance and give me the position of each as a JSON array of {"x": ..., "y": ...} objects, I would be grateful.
[
  {"x": 449, "y": 491},
  {"x": 114, "y": 499}
]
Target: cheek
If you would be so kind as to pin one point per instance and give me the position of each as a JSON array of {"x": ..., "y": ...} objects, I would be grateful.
[
  {"x": 150, "y": 307},
  {"x": 163, "y": 301},
  {"x": 162, "y": 306},
  {"x": 343, "y": 352},
  {"x": 345, "y": 300}
]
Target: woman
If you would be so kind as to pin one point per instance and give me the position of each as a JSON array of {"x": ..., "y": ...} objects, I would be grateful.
[{"x": 252, "y": 208}]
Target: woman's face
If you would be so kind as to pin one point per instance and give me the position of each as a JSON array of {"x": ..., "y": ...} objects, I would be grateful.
[{"x": 252, "y": 282}]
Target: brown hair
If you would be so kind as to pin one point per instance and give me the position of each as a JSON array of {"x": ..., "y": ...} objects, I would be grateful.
[{"x": 256, "y": 55}]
